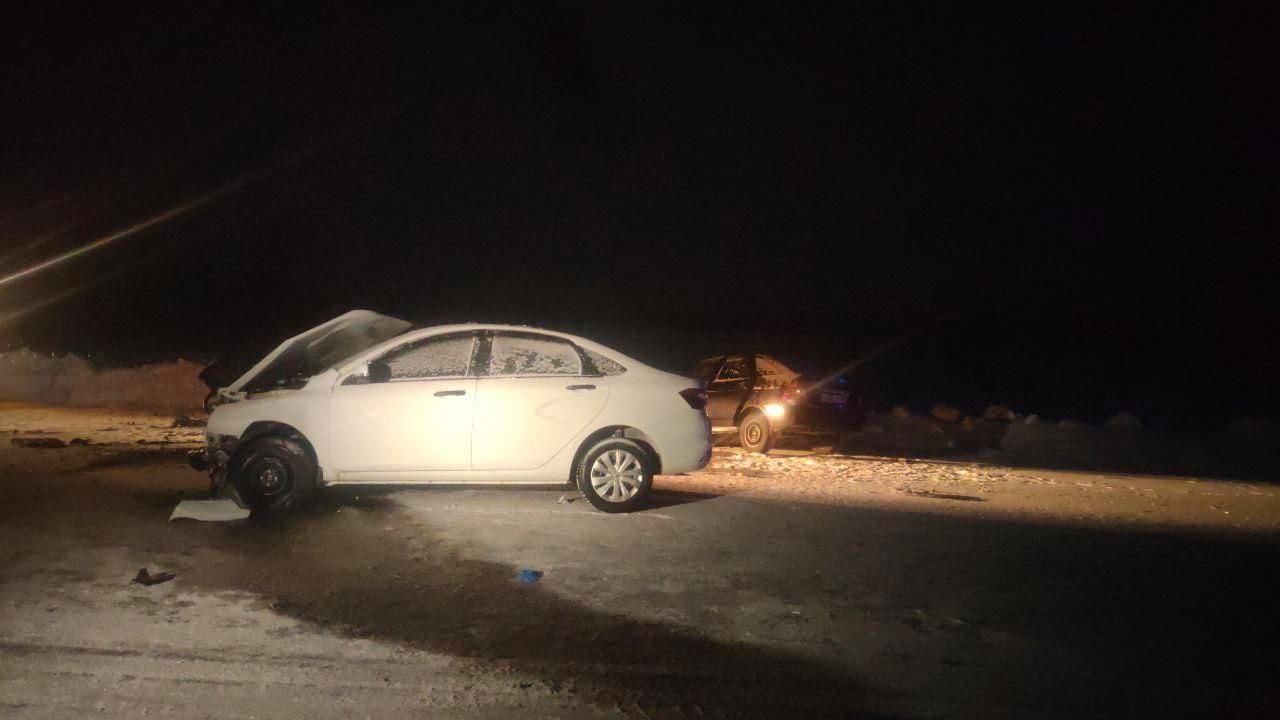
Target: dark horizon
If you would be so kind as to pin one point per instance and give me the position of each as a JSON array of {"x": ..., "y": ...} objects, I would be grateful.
[{"x": 1093, "y": 187}]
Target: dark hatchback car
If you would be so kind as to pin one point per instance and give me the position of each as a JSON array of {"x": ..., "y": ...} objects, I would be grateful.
[{"x": 761, "y": 398}]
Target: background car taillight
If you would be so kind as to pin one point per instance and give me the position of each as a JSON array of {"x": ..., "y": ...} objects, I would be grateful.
[{"x": 696, "y": 397}]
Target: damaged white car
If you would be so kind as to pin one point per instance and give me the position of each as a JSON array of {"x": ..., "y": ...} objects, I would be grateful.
[{"x": 364, "y": 398}]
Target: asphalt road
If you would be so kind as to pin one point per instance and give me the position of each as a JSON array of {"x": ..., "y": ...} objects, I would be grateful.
[{"x": 747, "y": 591}]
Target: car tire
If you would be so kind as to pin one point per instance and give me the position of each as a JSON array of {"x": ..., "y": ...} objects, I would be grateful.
[
  {"x": 754, "y": 433},
  {"x": 274, "y": 474},
  {"x": 615, "y": 475}
]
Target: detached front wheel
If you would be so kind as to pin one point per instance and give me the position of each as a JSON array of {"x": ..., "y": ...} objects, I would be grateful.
[
  {"x": 615, "y": 475},
  {"x": 274, "y": 474}
]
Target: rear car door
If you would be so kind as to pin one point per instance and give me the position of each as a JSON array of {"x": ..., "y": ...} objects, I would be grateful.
[
  {"x": 728, "y": 389},
  {"x": 532, "y": 398},
  {"x": 418, "y": 420}
]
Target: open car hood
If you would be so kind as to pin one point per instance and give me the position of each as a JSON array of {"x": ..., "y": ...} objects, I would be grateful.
[{"x": 317, "y": 350}]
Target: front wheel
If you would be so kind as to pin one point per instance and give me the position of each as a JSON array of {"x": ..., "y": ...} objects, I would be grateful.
[
  {"x": 274, "y": 474},
  {"x": 754, "y": 433},
  {"x": 615, "y": 475}
]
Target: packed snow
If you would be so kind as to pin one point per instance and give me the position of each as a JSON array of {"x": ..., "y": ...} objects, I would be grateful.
[{"x": 28, "y": 376}]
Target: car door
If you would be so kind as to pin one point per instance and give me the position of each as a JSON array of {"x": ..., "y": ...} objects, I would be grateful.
[
  {"x": 532, "y": 398},
  {"x": 417, "y": 419},
  {"x": 728, "y": 389}
]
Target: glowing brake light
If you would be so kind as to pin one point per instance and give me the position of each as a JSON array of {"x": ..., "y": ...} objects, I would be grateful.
[{"x": 696, "y": 397}]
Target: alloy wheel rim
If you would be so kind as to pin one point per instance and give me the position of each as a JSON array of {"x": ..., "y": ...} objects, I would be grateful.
[
  {"x": 753, "y": 433},
  {"x": 617, "y": 475}
]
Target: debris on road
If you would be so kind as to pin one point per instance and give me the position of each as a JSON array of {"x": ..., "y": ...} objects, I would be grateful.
[
  {"x": 209, "y": 511},
  {"x": 940, "y": 496},
  {"x": 528, "y": 577},
  {"x": 145, "y": 578}
]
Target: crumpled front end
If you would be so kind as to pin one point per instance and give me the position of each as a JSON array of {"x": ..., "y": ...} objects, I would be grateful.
[{"x": 215, "y": 458}]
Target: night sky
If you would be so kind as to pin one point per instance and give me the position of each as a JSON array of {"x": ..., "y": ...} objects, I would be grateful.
[{"x": 1051, "y": 189}]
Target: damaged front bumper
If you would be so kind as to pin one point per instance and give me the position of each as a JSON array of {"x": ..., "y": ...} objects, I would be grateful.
[{"x": 214, "y": 459}]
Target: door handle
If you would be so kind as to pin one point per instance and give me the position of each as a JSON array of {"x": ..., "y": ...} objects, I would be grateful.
[
  {"x": 445, "y": 393},
  {"x": 579, "y": 387}
]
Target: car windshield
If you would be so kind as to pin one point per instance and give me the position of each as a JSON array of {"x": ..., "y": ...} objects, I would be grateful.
[{"x": 324, "y": 348}]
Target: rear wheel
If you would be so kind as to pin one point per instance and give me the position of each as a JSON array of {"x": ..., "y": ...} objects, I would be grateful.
[
  {"x": 754, "y": 433},
  {"x": 274, "y": 474},
  {"x": 615, "y": 475}
]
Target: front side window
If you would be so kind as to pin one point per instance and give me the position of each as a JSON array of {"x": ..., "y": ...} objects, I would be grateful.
[
  {"x": 443, "y": 357},
  {"x": 526, "y": 355}
]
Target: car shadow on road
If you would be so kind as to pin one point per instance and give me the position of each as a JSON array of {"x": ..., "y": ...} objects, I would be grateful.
[
  {"x": 671, "y": 498},
  {"x": 660, "y": 497}
]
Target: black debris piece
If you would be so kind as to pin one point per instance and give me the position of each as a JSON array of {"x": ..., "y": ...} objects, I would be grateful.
[{"x": 145, "y": 578}]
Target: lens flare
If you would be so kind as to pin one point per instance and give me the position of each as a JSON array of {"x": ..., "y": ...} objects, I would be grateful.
[
  {"x": 131, "y": 230},
  {"x": 21, "y": 312},
  {"x": 41, "y": 240},
  {"x": 113, "y": 273}
]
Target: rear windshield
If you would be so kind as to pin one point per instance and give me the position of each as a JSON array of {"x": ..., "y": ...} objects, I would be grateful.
[{"x": 772, "y": 372}]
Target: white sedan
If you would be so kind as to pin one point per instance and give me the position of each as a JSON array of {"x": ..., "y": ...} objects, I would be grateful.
[{"x": 364, "y": 398}]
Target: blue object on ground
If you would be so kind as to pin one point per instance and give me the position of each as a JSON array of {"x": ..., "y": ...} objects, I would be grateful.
[{"x": 530, "y": 576}]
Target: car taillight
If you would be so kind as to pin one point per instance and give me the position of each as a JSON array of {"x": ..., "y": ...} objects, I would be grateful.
[{"x": 696, "y": 397}]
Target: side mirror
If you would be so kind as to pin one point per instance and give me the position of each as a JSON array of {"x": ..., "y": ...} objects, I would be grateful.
[{"x": 379, "y": 372}]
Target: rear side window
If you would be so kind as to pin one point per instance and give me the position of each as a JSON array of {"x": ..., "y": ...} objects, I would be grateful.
[
  {"x": 523, "y": 355},
  {"x": 734, "y": 369},
  {"x": 606, "y": 365},
  {"x": 445, "y": 357}
]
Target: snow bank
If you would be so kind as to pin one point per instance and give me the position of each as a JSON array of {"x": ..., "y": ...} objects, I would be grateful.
[
  {"x": 1119, "y": 445},
  {"x": 28, "y": 376}
]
